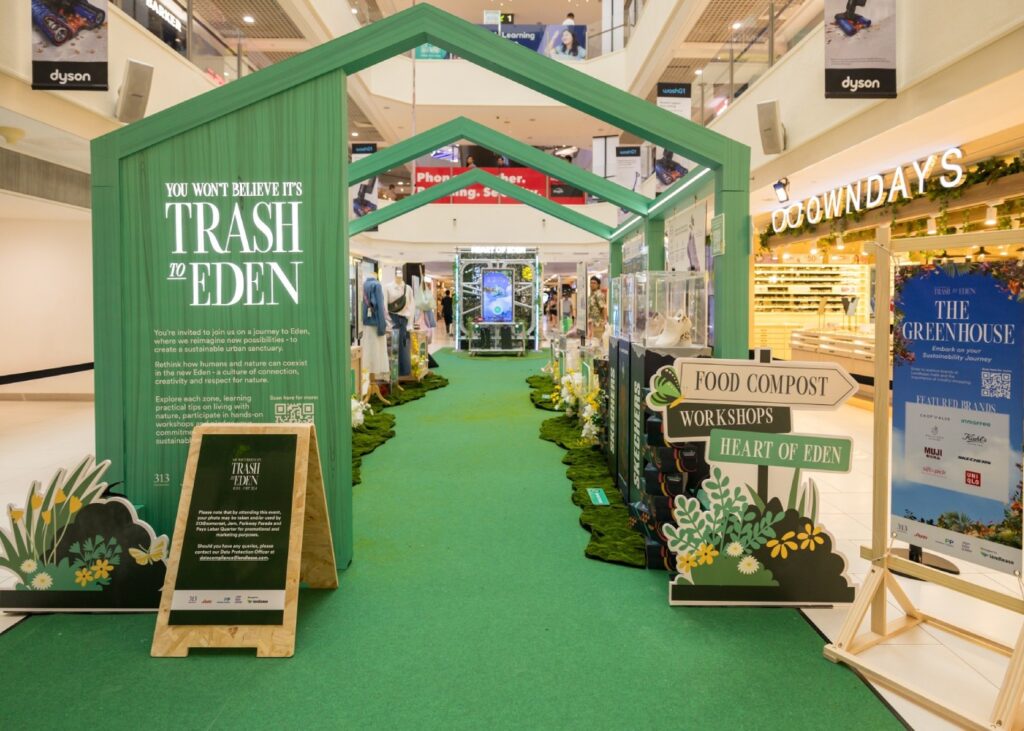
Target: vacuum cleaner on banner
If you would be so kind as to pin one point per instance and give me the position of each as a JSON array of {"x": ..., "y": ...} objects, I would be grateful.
[
  {"x": 61, "y": 20},
  {"x": 850, "y": 22}
]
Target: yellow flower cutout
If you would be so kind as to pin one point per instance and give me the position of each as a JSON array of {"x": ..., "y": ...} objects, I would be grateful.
[
  {"x": 16, "y": 515},
  {"x": 810, "y": 537},
  {"x": 37, "y": 501},
  {"x": 685, "y": 562},
  {"x": 46, "y": 516},
  {"x": 74, "y": 505},
  {"x": 782, "y": 546},
  {"x": 102, "y": 568},
  {"x": 706, "y": 554},
  {"x": 83, "y": 576},
  {"x": 59, "y": 497}
]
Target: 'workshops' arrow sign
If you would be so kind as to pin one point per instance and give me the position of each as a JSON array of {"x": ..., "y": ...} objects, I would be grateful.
[{"x": 791, "y": 383}]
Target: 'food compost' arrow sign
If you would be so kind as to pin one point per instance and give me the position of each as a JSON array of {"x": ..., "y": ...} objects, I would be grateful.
[{"x": 799, "y": 384}]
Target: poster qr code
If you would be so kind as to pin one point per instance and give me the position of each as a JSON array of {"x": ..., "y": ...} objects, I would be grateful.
[
  {"x": 995, "y": 384},
  {"x": 290, "y": 413}
]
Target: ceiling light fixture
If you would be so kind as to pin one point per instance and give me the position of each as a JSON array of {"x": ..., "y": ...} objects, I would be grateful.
[
  {"x": 990, "y": 215},
  {"x": 355, "y": 11},
  {"x": 355, "y": 134},
  {"x": 840, "y": 245},
  {"x": 737, "y": 25},
  {"x": 933, "y": 226},
  {"x": 781, "y": 188},
  {"x": 982, "y": 253},
  {"x": 699, "y": 72},
  {"x": 248, "y": 19}
]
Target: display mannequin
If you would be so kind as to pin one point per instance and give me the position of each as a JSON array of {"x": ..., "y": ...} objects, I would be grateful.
[
  {"x": 677, "y": 333},
  {"x": 401, "y": 307},
  {"x": 374, "y": 342}
]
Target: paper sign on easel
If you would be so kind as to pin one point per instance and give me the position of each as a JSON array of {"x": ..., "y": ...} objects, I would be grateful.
[{"x": 252, "y": 522}]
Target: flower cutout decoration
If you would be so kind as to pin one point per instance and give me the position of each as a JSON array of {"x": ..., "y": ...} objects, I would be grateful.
[
  {"x": 83, "y": 576},
  {"x": 782, "y": 546},
  {"x": 685, "y": 562},
  {"x": 42, "y": 581},
  {"x": 810, "y": 537},
  {"x": 734, "y": 549},
  {"x": 29, "y": 566},
  {"x": 102, "y": 568},
  {"x": 706, "y": 554},
  {"x": 748, "y": 565}
]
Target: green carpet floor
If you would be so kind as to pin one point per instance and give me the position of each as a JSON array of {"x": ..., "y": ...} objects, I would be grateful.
[{"x": 469, "y": 605}]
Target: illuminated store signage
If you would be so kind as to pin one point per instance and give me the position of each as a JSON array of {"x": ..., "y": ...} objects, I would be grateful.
[
  {"x": 907, "y": 181},
  {"x": 165, "y": 13}
]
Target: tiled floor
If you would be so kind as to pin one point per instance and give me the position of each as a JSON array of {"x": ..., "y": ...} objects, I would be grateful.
[{"x": 37, "y": 438}]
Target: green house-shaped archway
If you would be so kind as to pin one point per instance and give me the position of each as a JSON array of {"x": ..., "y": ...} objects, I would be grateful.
[{"x": 220, "y": 250}]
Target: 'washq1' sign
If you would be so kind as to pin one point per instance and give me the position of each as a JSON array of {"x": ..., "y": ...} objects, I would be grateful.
[{"x": 746, "y": 537}]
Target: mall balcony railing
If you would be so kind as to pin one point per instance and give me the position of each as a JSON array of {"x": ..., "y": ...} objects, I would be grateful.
[
  {"x": 215, "y": 47},
  {"x": 754, "y": 46}
]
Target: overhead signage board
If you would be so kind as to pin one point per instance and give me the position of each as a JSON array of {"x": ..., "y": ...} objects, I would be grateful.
[
  {"x": 860, "y": 49},
  {"x": 958, "y": 411},
  {"x": 252, "y": 520},
  {"x": 799, "y": 384},
  {"x": 69, "y": 45}
]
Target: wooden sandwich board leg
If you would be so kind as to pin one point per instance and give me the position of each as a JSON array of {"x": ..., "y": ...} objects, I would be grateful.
[{"x": 310, "y": 552}]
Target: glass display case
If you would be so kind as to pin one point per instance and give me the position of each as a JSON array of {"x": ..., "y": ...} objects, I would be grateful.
[
  {"x": 675, "y": 307},
  {"x": 626, "y": 306},
  {"x": 615, "y": 307},
  {"x": 636, "y": 314}
]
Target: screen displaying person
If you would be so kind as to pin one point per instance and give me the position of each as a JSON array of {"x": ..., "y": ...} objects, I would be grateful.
[{"x": 566, "y": 46}]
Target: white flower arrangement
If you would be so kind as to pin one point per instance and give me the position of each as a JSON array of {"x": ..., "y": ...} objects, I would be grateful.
[
  {"x": 359, "y": 412},
  {"x": 572, "y": 389}
]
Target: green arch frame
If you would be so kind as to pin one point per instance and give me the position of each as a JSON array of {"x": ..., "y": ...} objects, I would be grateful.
[{"x": 286, "y": 123}]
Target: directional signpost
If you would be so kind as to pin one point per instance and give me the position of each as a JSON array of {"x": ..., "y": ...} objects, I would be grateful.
[
  {"x": 803, "y": 385},
  {"x": 777, "y": 552}
]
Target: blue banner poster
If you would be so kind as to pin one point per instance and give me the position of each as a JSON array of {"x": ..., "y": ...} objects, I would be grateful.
[{"x": 958, "y": 398}]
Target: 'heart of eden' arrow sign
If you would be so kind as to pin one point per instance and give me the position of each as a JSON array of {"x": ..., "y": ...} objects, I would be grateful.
[{"x": 800, "y": 384}]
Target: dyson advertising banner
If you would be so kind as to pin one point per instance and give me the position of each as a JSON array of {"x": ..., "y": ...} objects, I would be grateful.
[
  {"x": 860, "y": 49},
  {"x": 364, "y": 194},
  {"x": 69, "y": 44},
  {"x": 678, "y": 99},
  {"x": 958, "y": 410}
]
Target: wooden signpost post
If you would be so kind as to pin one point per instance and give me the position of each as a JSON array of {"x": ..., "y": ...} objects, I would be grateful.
[{"x": 252, "y": 523}]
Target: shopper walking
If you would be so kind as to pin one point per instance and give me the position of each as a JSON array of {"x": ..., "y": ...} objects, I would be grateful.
[
  {"x": 446, "y": 311},
  {"x": 597, "y": 314}
]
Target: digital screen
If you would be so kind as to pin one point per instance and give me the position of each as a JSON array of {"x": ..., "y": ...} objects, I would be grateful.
[{"x": 497, "y": 295}]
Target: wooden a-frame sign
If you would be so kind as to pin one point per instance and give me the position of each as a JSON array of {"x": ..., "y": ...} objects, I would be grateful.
[{"x": 221, "y": 500}]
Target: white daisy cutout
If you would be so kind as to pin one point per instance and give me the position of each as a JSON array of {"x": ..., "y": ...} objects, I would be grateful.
[{"x": 748, "y": 565}]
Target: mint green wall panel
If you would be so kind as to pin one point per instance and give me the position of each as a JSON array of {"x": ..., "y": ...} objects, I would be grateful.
[{"x": 222, "y": 258}]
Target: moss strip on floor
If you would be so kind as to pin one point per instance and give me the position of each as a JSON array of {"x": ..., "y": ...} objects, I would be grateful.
[
  {"x": 378, "y": 427},
  {"x": 542, "y": 386},
  {"x": 611, "y": 538}
]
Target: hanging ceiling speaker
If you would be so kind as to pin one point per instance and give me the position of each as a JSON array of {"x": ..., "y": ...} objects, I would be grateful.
[
  {"x": 769, "y": 122},
  {"x": 133, "y": 96}
]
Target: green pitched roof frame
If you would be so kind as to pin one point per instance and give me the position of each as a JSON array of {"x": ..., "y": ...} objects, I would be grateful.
[
  {"x": 396, "y": 34},
  {"x": 472, "y": 177},
  {"x": 318, "y": 77},
  {"x": 462, "y": 128}
]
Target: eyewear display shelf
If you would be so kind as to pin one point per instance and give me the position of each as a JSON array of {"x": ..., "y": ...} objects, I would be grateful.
[
  {"x": 497, "y": 338},
  {"x": 790, "y": 297}
]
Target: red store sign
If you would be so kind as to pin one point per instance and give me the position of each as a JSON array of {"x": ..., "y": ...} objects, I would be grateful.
[{"x": 527, "y": 178}]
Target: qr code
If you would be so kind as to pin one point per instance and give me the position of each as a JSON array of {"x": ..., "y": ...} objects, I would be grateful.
[
  {"x": 995, "y": 384},
  {"x": 284, "y": 412}
]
